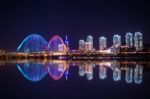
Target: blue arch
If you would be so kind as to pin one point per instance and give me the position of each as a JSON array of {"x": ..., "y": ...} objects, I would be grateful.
[{"x": 32, "y": 43}]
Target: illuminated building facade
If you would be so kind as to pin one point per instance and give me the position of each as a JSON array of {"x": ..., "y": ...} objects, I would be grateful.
[
  {"x": 88, "y": 46},
  {"x": 116, "y": 43},
  {"x": 102, "y": 43},
  {"x": 90, "y": 42},
  {"x": 129, "y": 40},
  {"x": 117, "y": 40},
  {"x": 81, "y": 44},
  {"x": 138, "y": 41}
]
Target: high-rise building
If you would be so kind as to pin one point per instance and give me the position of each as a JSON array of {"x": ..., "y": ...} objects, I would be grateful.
[
  {"x": 102, "y": 43},
  {"x": 138, "y": 41},
  {"x": 81, "y": 44},
  {"x": 88, "y": 46},
  {"x": 117, "y": 40},
  {"x": 90, "y": 42},
  {"x": 129, "y": 40},
  {"x": 116, "y": 44}
]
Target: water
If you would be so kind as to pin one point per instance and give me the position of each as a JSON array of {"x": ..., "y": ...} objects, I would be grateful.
[{"x": 53, "y": 79}]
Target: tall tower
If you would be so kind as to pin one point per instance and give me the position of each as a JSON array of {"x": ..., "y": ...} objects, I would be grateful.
[
  {"x": 116, "y": 43},
  {"x": 129, "y": 39},
  {"x": 138, "y": 41},
  {"x": 102, "y": 43},
  {"x": 117, "y": 40},
  {"x": 90, "y": 42},
  {"x": 67, "y": 43},
  {"x": 81, "y": 44}
]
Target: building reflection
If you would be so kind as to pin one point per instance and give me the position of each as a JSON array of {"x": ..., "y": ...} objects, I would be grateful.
[
  {"x": 133, "y": 71},
  {"x": 116, "y": 71},
  {"x": 138, "y": 74},
  {"x": 89, "y": 71},
  {"x": 57, "y": 69},
  {"x": 129, "y": 75},
  {"x": 102, "y": 72}
]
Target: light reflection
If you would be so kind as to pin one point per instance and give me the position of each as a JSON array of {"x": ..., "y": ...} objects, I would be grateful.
[
  {"x": 116, "y": 71},
  {"x": 56, "y": 70},
  {"x": 81, "y": 70},
  {"x": 32, "y": 71},
  {"x": 102, "y": 72},
  {"x": 36, "y": 71},
  {"x": 138, "y": 74},
  {"x": 89, "y": 72},
  {"x": 129, "y": 75}
]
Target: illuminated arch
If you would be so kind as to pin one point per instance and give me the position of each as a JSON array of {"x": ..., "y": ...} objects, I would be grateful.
[
  {"x": 32, "y": 43},
  {"x": 32, "y": 71},
  {"x": 54, "y": 43},
  {"x": 56, "y": 71}
]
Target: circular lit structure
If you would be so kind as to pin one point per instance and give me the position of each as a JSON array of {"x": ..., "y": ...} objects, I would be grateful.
[
  {"x": 56, "y": 44},
  {"x": 32, "y": 43},
  {"x": 32, "y": 71}
]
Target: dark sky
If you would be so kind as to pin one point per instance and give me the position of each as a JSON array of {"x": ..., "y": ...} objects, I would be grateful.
[{"x": 74, "y": 18}]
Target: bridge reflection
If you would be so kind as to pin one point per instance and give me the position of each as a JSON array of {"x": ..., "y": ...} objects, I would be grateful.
[
  {"x": 32, "y": 71},
  {"x": 36, "y": 70}
]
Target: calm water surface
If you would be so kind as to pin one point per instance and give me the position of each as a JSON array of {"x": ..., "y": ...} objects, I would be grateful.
[{"x": 53, "y": 79}]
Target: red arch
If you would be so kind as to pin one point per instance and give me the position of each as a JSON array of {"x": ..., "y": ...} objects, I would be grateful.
[{"x": 57, "y": 36}]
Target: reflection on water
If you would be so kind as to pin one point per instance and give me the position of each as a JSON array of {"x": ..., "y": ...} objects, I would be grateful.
[
  {"x": 32, "y": 71},
  {"x": 117, "y": 71},
  {"x": 56, "y": 70},
  {"x": 36, "y": 71}
]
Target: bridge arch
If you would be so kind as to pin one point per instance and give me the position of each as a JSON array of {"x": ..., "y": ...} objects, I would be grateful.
[
  {"x": 56, "y": 44},
  {"x": 33, "y": 43}
]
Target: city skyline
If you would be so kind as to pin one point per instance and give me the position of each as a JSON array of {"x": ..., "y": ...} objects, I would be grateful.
[
  {"x": 128, "y": 41},
  {"x": 72, "y": 18},
  {"x": 74, "y": 49},
  {"x": 131, "y": 40}
]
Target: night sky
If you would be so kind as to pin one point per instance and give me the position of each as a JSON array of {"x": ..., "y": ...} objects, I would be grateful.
[{"x": 74, "y": 18}]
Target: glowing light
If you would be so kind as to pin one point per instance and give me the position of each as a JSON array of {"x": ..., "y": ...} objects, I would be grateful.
[
  {"x": 56, "y": 44},
  {"x": 36, "y": 43},
  {"x": 56, "y": 71},
  {"x": 32, "y": 71},
  {"x": 32, "y": 43}
]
